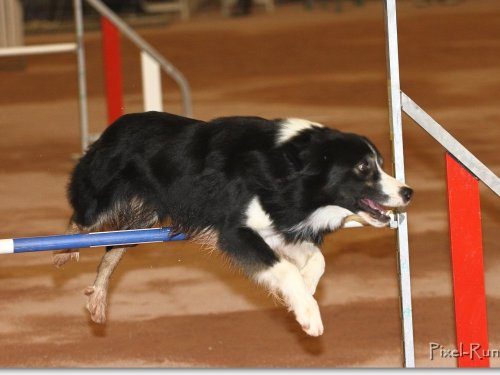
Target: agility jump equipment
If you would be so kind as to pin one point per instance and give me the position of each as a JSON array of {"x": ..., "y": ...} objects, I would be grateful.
[
  {"x": 97, "y": 239},
  {"x": 152, "y": 63},
  {"x": 463, "y": 173}
]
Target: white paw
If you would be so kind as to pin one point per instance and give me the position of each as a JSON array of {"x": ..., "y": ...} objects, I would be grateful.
[
  {"x": 312, "y": 272},
  {"x": 309, "y": 318},
  {"x": 96, "y": 304}
]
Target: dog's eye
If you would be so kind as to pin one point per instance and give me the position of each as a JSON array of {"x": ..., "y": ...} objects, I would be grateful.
[{"x": 363, "y": 167}]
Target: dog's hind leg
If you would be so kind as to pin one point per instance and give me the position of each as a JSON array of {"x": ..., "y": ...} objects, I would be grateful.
[
  {"x": 132, "y": 214},
  {"x": 97, "y": 293},
  {"x": 278, "y": 275},
  {"x": 61, "y": 257}
]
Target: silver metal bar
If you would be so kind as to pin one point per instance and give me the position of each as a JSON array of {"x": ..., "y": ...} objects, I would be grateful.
[
  {"x": 398, "y": 165},
  {"x": 167, "y": 66},
  {"x": 37, "y": 49},
  {"x": 454, "y": 147},
  {"x": 82, "y": 76}
]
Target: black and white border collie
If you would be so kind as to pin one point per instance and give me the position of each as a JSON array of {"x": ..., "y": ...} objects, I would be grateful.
[{"x": 263, "y": 192}]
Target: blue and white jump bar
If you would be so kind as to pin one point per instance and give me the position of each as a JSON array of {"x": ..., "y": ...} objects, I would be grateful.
[{"x": 98, "y": 239}]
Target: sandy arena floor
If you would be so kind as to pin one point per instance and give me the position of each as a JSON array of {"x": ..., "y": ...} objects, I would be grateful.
[{"x": 172, "y": 305}]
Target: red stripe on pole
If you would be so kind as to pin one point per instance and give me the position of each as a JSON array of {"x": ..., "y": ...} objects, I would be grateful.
[
  {"x": 112, "y": 69},
  {"x": 467, "y": 263}
]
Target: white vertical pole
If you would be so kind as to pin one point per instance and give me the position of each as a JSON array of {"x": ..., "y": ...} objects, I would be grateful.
[
  {"x": 18, "y": 25},
  {"x": 82, "y": 75},
  {"x": 11, "y": 23},
  {"x": 151, "y": 83},
  {"x": 398, "y": 160},
  {"x": 3, "y": 24}
]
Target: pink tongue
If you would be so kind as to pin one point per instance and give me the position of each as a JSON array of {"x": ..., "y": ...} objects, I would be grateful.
[{"x": 374, "y": 205}]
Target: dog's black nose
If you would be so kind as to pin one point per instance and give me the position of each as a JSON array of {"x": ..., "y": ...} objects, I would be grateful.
[{"x": 406, "y": 193}]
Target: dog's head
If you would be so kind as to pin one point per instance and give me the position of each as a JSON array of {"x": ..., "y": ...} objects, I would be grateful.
[
  {"x": 345, "y": 170},
  {"x": 365, "y": 189}
]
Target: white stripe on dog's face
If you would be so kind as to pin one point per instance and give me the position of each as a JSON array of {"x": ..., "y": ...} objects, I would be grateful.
[
  {"x": 392, "y": 188},
  {"x": 389, "y": 185},
  {"x": 291, "y": 127}
]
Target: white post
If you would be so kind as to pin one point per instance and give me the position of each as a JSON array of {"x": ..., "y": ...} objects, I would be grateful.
[
  {"x": 398, "y": 160},
  {"x": 151, "y": 83},
  {"x": 11, "y": 23},
  {"x": 37, "y": 49},
  {"x": 82, "y": 75}
]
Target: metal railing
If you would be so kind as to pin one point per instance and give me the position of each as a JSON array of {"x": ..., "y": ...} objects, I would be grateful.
[
  {"x": 436, "y": 131},
  {"x": 150, "y": 56}
]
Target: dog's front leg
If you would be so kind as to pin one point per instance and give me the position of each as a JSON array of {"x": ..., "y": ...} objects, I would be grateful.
[
  {"x": 280, "y": 276},
  {"x": 313, "y": 270},
  {"x": 308, "y": 259},
  {"x": 98, "y": 293},
  {"x": 285, "y": 279}
]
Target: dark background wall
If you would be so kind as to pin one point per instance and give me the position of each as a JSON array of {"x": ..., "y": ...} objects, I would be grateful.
[{"x": 63, "y": 9}]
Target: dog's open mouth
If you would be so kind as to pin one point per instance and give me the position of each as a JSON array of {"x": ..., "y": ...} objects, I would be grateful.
[{"x": 375, "y": 210}]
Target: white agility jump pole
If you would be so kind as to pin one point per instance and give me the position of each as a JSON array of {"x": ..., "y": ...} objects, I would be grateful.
[
  {"x": 396, "y": 127},
  {"x": 151, "y": 83},
  {"x": 37, "y": 49},
  {"x": 464, "y": 171}
]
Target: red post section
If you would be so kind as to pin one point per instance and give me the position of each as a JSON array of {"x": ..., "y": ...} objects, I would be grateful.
[
  {"x": 112, "y": 69},
  {"x": 467, "y": 263}
]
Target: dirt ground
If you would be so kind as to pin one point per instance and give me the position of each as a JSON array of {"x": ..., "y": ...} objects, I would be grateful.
[{"x": 172, "y": 305}]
